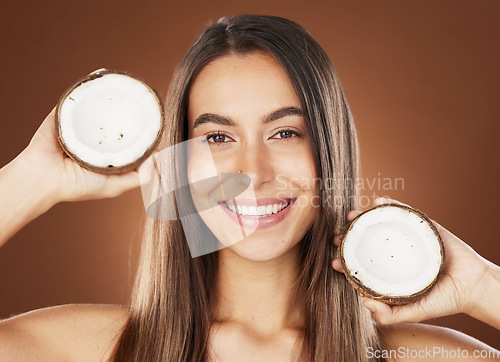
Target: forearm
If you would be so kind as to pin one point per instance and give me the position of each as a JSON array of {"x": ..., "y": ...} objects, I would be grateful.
[
  {"x": 485, "y": 308},
  {"x": 23, "y": 197}
]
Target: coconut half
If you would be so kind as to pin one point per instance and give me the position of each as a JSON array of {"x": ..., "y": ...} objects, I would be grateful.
[
  {"x": 392, "y": 253},
  {"x": 109, "y": 121}
]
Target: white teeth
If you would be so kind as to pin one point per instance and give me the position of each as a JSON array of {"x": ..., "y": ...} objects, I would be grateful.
[
  {"x": 251, "y": 210},
  {"x": 257, "y": 211}
]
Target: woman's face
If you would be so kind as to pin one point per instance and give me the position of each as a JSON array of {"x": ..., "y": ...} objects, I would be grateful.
[{"x": 247, "y": 108}]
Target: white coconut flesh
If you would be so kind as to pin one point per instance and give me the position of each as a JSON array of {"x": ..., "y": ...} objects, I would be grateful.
[
  {"x": 392, "y": 251},
  {"x": 110, "y": 121}
]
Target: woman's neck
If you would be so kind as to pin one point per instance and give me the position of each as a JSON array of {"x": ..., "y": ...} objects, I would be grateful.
[{"x": 259, "y": 294}]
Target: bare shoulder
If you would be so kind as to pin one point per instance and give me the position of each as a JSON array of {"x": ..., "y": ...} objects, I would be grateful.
[
  {"x": 76, "y": 332},
  {"x": 410, "y": 341}
]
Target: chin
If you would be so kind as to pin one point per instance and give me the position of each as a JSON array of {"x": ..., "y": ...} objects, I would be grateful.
[{"x": 262, "y": 249}]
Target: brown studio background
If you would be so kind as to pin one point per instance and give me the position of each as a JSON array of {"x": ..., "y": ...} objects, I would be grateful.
[{"x": 421, "y": 79}]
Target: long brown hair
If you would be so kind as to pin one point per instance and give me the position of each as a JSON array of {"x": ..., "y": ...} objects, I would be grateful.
[{"x": 170, "y": 313}]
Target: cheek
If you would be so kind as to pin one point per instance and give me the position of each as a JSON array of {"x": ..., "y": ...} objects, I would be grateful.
[
  {"x": 299, "y": 170},
  {"x": 201, "y": 174},
  {"x": 200, "y": 164}
]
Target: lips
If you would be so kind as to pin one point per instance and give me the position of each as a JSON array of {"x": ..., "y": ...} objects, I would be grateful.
[
  {"x": 263, "y": 212},
  {"x": 264, "y": 201}
]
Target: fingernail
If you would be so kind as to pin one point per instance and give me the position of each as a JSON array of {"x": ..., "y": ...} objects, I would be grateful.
[{"x": 371, "y": 308}]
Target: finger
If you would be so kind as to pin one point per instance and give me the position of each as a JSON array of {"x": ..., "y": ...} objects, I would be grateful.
[
  {"x": 46, "y": 130},
  {"x": 336, "y": 240},
  {"x": 147, "y": 171},
  {"x": 352, "y": 214},
  {"x": 98, "y": 70},
  {"x": 387, "y": 200},
  {"x": 48, "y": 122},
  {"x": 118, "y": 184},
  {"x": 385, "y": 314},
  {"x": 337, "y": 265}
]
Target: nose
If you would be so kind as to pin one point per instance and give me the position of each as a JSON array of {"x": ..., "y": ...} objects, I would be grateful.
[{"x": 255, "y": 161}]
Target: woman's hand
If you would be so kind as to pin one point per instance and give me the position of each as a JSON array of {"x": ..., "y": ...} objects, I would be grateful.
[
  {"x": 465, "y": 280},
  {"x": 67, "y": 181},
  {"x": 43, "y": 175}
]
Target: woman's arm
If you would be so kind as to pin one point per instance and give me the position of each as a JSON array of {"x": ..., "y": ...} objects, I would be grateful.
[
  {"x": 42, "y": 175},
  {"x": 38, "y": 178},
  {"x": 486, "y": 299},
  {"x": 72, "y": 332},
  {"x": 469, "y": 284},
  {"x": 423, "y": 342},
  {"x": 23, "y": 197}
]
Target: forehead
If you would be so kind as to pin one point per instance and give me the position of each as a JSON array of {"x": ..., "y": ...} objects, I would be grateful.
[{"x": 237, "y": 85}]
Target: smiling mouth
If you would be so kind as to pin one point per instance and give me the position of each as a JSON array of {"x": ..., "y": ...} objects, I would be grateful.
[{"x": 257, "y": 212}]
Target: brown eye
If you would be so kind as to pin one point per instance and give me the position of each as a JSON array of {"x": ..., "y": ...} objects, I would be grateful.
[
  {"x": 218, "y": 138},
  {"x": 286, "y": 133}
]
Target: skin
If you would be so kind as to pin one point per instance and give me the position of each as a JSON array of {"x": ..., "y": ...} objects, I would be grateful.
[
  {"x": 256, "y": 274},
  {"x": 246, "y": 90},
  {"x": 469, "y": 285},
  {"x": 255, "y": 319}
]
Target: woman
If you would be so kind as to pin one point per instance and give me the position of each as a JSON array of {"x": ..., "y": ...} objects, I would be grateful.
[{"x": 264, "y": 96}]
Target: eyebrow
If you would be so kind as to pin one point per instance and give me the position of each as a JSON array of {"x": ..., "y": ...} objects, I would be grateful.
[{"x": 226, "y": 121}]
